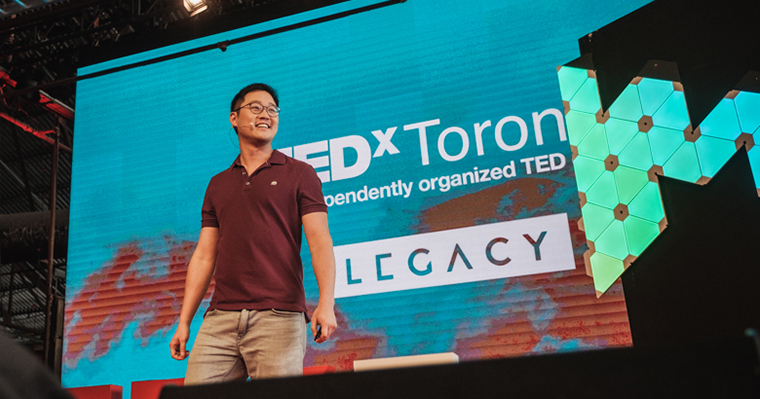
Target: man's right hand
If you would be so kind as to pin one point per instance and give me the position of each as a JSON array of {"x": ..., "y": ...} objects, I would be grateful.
[{"x": 177, "y": 345}]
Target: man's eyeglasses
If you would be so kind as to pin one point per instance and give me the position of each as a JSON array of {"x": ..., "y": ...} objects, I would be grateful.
[{"x": 257, "y": 108}]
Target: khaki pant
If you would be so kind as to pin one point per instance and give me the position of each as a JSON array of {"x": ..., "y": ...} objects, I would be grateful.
[{"x": 234, "y": 345}]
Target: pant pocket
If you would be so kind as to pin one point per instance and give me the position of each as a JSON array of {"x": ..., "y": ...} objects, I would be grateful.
[{"x": 285, "y": 313}]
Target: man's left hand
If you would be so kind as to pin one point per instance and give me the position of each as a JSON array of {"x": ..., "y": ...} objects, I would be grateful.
[{"x": 323, "y": 316}]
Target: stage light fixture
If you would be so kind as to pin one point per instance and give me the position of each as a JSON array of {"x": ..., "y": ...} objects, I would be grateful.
[{"x": 195, "y": 7}]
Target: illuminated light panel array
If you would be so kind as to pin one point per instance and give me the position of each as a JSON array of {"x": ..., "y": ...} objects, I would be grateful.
[{"x": 618, "y": 155}]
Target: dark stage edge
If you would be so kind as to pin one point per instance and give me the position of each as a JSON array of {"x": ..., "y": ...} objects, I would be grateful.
[{"x": 726, "y": 368}]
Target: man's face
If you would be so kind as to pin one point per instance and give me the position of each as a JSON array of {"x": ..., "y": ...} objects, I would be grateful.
[{"x": 261, "y": 128}]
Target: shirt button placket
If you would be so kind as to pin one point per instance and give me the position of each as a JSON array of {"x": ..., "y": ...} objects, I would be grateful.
[{"x": 247, "y": 183}]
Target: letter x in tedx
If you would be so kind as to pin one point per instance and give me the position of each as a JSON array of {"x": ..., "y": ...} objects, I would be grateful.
[{"x": 385, "y": 142}]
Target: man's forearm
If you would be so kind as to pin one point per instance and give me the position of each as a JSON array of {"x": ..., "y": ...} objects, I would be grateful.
[
  {"x": 323, "y": 262},
  {"x": 199, "y": 273},
  {"x": 198, "y": 278},
  {"x": 325, "y": 273},
  {"x": 322, "y": 256}
]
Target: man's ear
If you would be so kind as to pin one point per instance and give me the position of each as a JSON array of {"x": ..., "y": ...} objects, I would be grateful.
[{"x": 233, "y": 120}]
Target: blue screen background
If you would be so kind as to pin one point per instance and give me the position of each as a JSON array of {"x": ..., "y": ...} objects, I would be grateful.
[{"x": 149, "y": 139}]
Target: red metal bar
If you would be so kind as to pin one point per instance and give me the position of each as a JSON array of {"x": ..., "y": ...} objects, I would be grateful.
[
  {"x": 5, "y": 77},
  {"x": 56, "y": 106},
  {"x": 39, "y": 133}
]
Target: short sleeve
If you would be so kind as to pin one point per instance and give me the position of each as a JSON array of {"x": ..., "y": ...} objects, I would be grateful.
[
  {"x": 310, "y": 198},
  {"x": 208, "y": 213}
]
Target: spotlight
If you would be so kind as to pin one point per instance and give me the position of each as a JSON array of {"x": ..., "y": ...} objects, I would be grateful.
[{"x": 195, "y": 7}]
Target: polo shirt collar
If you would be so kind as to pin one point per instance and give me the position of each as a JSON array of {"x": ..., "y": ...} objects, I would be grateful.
[{"x": 277, "y": 158}]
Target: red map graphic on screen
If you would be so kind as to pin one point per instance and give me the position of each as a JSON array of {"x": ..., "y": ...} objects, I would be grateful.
[{"x": 132, "y": 287}]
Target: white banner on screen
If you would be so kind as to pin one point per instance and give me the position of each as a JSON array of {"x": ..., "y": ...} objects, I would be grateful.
[{"x": 498, "y": 250}]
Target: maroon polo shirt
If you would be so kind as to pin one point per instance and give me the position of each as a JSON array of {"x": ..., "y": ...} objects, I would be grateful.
[{"x": 258, "y": 262}]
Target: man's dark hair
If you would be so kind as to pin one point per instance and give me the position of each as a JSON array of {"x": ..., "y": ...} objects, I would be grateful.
[{"x": 238, "y": 100}]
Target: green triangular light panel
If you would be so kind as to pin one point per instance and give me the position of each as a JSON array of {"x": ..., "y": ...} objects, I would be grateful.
[
  {"x": 570, "y": 80},
  {"x": 747, "y": 106},
  {"x": 594, "y": 145},
  {"x": 629, "y": 182},
  {"x": 722, "y": 122},
  {"x": 672, "y": 114},
  {"x": 684, "y": 165},
  {"x": 587, "y": 98},
  {"x": 637, "y": 154},
  {"x": 596, "y": 219},
  {"x": 640, "y": 234},
  {"x": 713, "y": 153},
  {"x": 628, "y": 105},
  {"x": 754, "y": 161},
  {"x": 653, "y": 92},
  {"x": 604, "y": 191},
  {"x": 647, "y": 204},
  {"x": 606, "y": 270},
  {"x": 587, "y": 170},
  {"x": 664, "y": 142},
  {"x": 578, "y": 124},
  {"x": 619, "y": 134},
  {"x": 612, "y": 242}
]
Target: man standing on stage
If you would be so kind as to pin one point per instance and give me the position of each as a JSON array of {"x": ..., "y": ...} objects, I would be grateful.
[{"x": 253, "y": 215}]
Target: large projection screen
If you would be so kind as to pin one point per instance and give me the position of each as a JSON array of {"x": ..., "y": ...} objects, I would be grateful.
[{"x": 437, "y": 129}]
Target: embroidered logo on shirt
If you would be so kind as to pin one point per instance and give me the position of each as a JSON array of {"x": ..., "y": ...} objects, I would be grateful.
[{"x": 274, "y": 183}]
